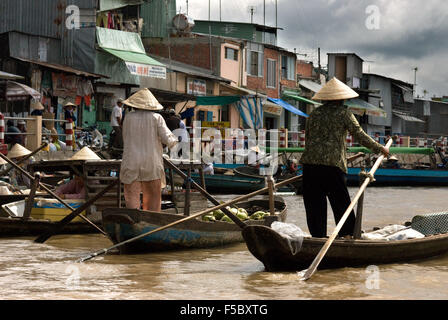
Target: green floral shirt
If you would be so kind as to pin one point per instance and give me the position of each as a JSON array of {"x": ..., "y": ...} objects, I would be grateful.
[{"x": 326, "y": 133}]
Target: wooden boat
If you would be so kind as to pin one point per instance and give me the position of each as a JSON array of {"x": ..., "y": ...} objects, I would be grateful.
[
  {"x": 42, "y": 219},
  {"x": 274, "y": 252},
  {"x": 253, "y": 172},
  {"x": 17, "y": 227},
  {"x": 230, "y": 184},
  {"x": 124, "y": 224},
  {"x": 402, "y": 177}
]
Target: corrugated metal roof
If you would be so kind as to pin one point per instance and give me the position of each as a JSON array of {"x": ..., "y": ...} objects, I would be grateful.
[
  {"x": 42, "y": 17},
  {"x": 310, "y": 85},
  {"x": 64, "y": 68},
  {"x": 407, "y": 117}
]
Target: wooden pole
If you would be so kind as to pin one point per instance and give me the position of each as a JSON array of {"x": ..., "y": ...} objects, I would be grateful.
[
  {"x": 30, "y": 200},
  {"x": 270, "y": 184},
  {"x": 307, "y": 274},
  {"x": 359, "y": 209}
]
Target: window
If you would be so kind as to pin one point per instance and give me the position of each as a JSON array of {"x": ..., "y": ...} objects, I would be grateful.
[
  {"x": 254, "y": 59},
  {"x": 231, "y": 54},
  {"x": 253, "y": 63},
  {"x": 271, "y": 79},
  {"x": 288, "y": 68}
]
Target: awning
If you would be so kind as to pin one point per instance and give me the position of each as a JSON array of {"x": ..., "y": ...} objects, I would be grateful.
[
  {"x": 299, "y": 98},
  {"x": 361, "y": 107},
  {"x": 13, "y": 91},
  {"x": 244, "y": 91},
  {"x": 106, "y": 5},
  {"x": 128, "y": 47},
  {"x": 63, "y": 68},
  {"x": 251, "y": 110},
  {"x": 407, "y": 117},
  {"x": 9, "y": 76},
  {"x": 217, "y": 100},
  {"x": 288, "y": 107},
  {"x": 310, "y": 85}
]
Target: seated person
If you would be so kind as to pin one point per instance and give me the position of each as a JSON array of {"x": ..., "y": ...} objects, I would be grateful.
[
  {"x": 74, "y": 189},
  {"x": 391, "y": 163}
]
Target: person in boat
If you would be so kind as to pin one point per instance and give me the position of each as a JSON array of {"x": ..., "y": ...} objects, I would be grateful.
[
  {"x": 16, "y": 177},
  {"x": 75, "y": 188},
  {"x": 324, "y": 159},
  {"x": 144, "y": 134},
  {"x": 392, "y": 163}
]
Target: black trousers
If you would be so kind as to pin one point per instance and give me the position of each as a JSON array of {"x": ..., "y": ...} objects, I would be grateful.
[{"x": 320, "y": 182}]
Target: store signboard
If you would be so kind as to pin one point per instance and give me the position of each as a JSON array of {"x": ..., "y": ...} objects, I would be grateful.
[
  {"x": 146, "y": 70},
  {"x": 196, "y": 87}
]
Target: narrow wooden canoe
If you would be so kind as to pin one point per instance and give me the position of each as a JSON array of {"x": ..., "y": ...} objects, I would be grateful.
[
  {"x": 274, "y": 252},
  {"x": 17, "y": 227},
  {"x": 124, "y": 224}
]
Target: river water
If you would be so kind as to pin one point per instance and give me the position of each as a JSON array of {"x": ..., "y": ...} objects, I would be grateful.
[{"x": 50, "y": 271}]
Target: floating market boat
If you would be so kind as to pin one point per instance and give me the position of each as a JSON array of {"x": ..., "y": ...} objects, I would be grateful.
[
  {"x": 274, "y": 252},
  {"x": 123, "y": 224},
  {"x": 421, "y": 175},
  {"x": 43, "y": 217}
]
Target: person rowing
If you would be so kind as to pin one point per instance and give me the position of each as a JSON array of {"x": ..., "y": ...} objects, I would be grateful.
[{"x": 324, "y": 160}]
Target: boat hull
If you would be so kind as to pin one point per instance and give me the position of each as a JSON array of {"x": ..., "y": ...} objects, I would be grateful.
[
  {"x": 402, "y": 177},
  {"x": 17, "y": 227},
  {"x": 274, "y": 252},
  {"x": 124, "y": 224}
]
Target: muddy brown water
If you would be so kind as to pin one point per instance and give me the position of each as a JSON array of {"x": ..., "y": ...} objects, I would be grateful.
[{"x": 49, "y": 271}]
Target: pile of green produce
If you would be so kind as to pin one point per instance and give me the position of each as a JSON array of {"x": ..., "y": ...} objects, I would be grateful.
[{"x": 242, "y": 214}]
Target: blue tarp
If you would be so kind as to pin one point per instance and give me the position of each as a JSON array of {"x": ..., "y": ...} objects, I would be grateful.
[
  {"x": 251, "y": 110},
  {"x": 288, "y": 107}
]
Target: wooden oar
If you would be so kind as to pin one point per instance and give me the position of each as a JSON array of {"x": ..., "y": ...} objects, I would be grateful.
[{"x": 307, "y": 274}]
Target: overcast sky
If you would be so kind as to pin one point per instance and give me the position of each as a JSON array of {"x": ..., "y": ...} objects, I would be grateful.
[{"x": 392, "y": 36}]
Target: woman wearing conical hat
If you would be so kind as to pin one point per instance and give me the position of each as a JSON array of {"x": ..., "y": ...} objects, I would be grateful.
[
  {"x": 142, "y": 169},
  {"x": 17, "y": 153},
  {"x": 324, "y": 160}
]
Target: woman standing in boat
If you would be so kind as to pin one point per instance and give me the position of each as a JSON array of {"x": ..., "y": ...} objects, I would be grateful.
[
  {"x": 324, "y": 160},
  {"x": 142, "y": 169}
]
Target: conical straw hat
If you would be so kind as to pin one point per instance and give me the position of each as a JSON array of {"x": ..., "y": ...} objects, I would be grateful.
[
  {"x": 85, "y": 154},
  {"x": 70, "y": 104},
  {"x": 18, "y": 151},
  {"x": 335, "y": 90},
  {"x": 36, "y": 105},
  {"x": 2, "y": 162},
  {"x": 143, "y": 99}
]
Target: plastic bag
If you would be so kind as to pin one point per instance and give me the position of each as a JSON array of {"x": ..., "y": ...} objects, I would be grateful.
[
  {"x": 393, "y": 233},
  {"x": 292, "y": 233}
]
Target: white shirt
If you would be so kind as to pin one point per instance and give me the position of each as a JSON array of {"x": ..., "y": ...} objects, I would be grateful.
[
  {"x": 117, "y": 112},
  {"x": 143, "y": 135}
]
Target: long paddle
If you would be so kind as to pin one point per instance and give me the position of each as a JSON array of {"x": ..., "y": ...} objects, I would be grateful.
[
  {"x": 50, "y": 192},
  {"x": 307, "y": 274},
  {"x": 217, "y": 207}
]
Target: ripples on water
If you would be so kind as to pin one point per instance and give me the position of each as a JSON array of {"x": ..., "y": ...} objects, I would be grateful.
[{"x": 50, "y": 271}]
